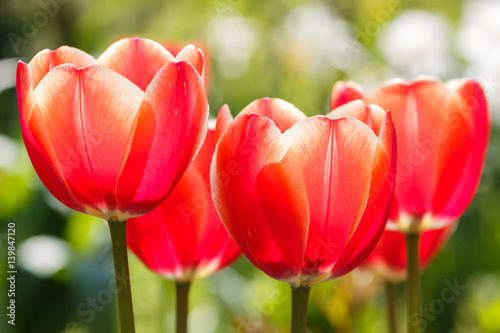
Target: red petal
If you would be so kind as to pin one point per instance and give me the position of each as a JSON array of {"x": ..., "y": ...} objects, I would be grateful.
[
  {"x": 374, "y": 218},
  {"x": 224, "y": 118},
  {"x": 460, "y": 157},
  {"x": 282, "y": 113},
  {"x": 389, "y": 256},
  {"x": 137, "y": 59},
  {"x": 259, "y": 194},
  {"x": 417, "y": 112},
  {"x": 46, "y": 60},
  {"x": 167, "y": 239},
  {"x": 171, "y": 127},
  {"x": 431, "y": 243},
  {"x": 88, "y": 116},
  {"x": 344, "y": 92},
  {"x": 194, "y": 56},
  {"x": 215, "y": 242},
  {"x": 372, "y": 115},
  {"x": 184, "y": 235},
  {"x": 204, "y": 156},
  {"x": 340, "y": 150},
  {"x": 37, "y": 142}
]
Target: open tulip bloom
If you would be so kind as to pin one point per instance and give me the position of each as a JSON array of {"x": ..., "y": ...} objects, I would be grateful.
[
  {"x": 442, "y": 131},
  {"x": 306, "y": 199},
  {"x": 111, "y": 137},
  {"x": 183, "y": 238}
]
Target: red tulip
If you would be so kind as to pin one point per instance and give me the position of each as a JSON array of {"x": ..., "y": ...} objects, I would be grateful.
[
  {"x": 388, "y": 259},
  {"x": 111, "y": 137},
  {"x": 442, "y": 131},
  {"x": 306, "y": 199},
  {"x": 184, "y": 238}
]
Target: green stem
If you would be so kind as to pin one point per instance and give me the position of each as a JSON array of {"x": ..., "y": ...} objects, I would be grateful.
[
  {"x": 300, "y": 299},
  {"x": 122, "y": 276},
  {"x": 182, "y": 292},
  {"x": 413, "y": 283},
  {"x": 392, "y": 306},
  {"x": 164, "y": 306}
]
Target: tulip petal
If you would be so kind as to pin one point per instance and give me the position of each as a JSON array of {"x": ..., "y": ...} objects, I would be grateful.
[
  {"x": 170, "y": 129},
  {"x": 83, "y": 111},
  {"x": 215, "y": 244},
  {"x": 356, "y": 109},
  {"x": 372, "y": 115},
  {"x": 344, "y": 92},
  {"x": 37, "y": 142},
  {"x": 417, "y": 111},
  {"x": 432, "y": 241},
  {"x": 171, "y": 233},
  {"x": 429, "y": 98},
  {"x": 137, "y": 59},
  {"x": 460, "y": 156},
  {"x": 374, "y": 218},
  {"x": 184, "y": 237},
  {"x": 224, "y": 118},
  {"x": 46, "y": 60},
  {"x": 204, "y": 156},
  {"x": 270, "y": 222},
  {"x": 282, "y": 113},
  {"x": 343, "y": 149},
  {"x": 194, "y": 56},
  {"x": 389, "y": 256},
  {"x": 151, "y": 242}
]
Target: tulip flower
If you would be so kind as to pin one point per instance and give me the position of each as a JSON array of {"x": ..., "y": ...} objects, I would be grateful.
[
  {"x": 111, "y": 136},
  {"x": 443, "y": 131},
  {"x": 183, "y": 238},
  {"x": 306, "y": 199}
]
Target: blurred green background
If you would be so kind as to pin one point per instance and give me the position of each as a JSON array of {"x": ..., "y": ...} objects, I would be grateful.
[{"x": 291, "y": 49}]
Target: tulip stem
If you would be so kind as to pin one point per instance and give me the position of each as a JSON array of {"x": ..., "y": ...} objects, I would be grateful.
[
  {"x": 164, "y": 306},
  {"x": 413, "y": 283},
  {"x": 182, "y": 293},
  {"x": 392, "y": 306},
  {"x": 300, "y": 299},
  {"x": 122, "y": 276}
]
